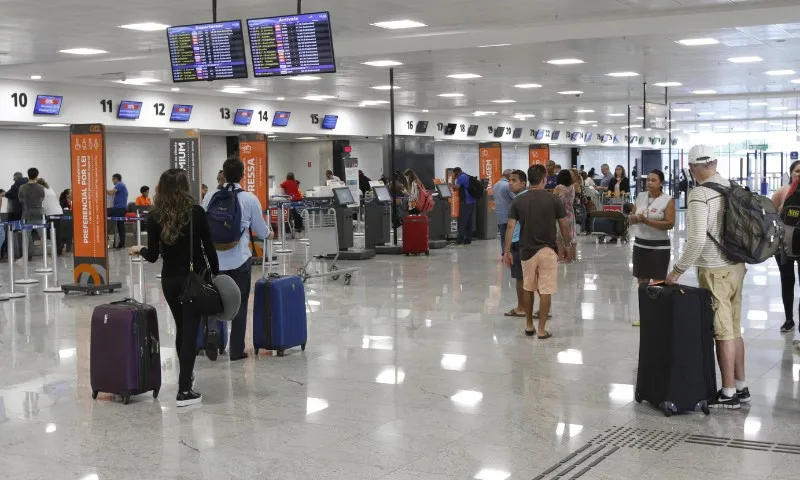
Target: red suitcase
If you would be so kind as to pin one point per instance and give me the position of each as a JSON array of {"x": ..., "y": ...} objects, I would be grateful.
[
  {"x": 125, "y": 357},
  {"x": 415, "y": 235}
]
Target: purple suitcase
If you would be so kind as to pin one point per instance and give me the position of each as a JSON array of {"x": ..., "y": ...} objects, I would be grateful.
[{"x": 125, "y": 356}]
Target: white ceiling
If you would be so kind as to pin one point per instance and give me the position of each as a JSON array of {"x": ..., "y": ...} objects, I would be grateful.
[{"x": 609, "y": 35}]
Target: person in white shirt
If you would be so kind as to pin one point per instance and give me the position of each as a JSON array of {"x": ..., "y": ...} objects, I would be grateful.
[{"x": 331, "y": 177}]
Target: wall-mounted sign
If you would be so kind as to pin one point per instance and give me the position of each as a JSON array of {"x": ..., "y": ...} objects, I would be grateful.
[
  {"x": 254, "y": 155},
  {"x": 538, "y": 154},
  {"x": 184, "y": 153}
]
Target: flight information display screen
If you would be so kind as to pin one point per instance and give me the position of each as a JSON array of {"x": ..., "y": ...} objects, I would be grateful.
[
  {"x": 47, "y": 105},
  {"x": 129, "y": 110},
  {"x": 243, "y": 117},
  {"x": 329, "y": 122},
  {"x": 281, "y": 119},
  {"x": 207, "y": 51},
  {"x": 181, "y": 113},
  {"x": 291, "y": 45}
]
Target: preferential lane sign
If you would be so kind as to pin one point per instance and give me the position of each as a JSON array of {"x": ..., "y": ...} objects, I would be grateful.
[
  {"x": 90, "y": 227},
  {"x": 254, "y": 155},
  {"x": 538, "y": 154}
]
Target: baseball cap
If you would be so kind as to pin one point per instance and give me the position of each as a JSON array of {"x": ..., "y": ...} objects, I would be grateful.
[{"x": 701, "y": 154}]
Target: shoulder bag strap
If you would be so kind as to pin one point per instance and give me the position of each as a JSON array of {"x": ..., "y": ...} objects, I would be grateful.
[{"x": 191, "y": 240}]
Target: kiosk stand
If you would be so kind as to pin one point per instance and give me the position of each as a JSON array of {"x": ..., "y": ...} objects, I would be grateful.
[
  {"x": 378, "y": 221},
  {"x": 440, "y": 217},
  {"x": 345, "y": 207},
  {"x": 55, "y": 288},
  {"x": 10, "y": 240}
]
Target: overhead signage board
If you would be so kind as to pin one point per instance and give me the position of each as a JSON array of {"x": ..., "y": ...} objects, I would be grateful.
[
  {"x": 291, "y": 45},
  {"x": 207, "y": 51}
]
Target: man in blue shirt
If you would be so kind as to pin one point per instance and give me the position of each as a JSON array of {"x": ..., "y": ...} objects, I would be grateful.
[
  {"x": 236, "y": 262},
  {"x": 120, "y": 206},
  {"x": 503, "y": 197},
  {"x": 466, "y": 216}
]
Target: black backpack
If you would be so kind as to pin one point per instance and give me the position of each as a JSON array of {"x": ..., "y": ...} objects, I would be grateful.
[
  {"x": 790, "y": 215},
  {"x": 475, "y": 187},
  {"x": 752, "y": 229}
]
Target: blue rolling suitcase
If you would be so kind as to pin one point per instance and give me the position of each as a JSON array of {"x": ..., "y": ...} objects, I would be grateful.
[
  {"x": 202, "y": 334},
  {"x": 279, "y": 314}
]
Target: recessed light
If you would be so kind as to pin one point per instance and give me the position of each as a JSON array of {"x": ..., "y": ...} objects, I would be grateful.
[
  {"x": 306, "y": 138},
  {"x": 53, "y": 125},
  {"x": 305, "y": 78},
  {"x": 727, "y": 117},
  {"x": 36, "y": 77},
  {"x": 145, "y": 27},
  {"x": 776, "y": 124},
  {"x": 398, "y": 24},
  {"x": 706, "y": 114},
  {"x": 370, "y": 103},
  {"x": 383, "y": 63},
  {"x": 571, "y": 92},
  {"x": 761, "y": 121},
  {"x": 681, "y": 109},
  {"x": 167, "y": 129},
  {"x": 668, "y": 84},
  {"x": 584, "y": 110},
  {"x": 793, "y": 112},
  {"x": 318, "y": 98},
  {"x": 694, "y": 42},
  {"x": 758, "y": 104},
  {"x": 464, "y": 76},
  {"x": 504, "y": 100},
  {"x": 565, "y": 61},
  {"x": 83, "y": 51},
  {"x": 704, "y": 125},
  {"x": 479, "y": 113},
  {"x": 237, "y": 90},
  {"x": 280, "y": 99},
  {"x": 450, "y": 95},
  {"x": 776, "y": 73},
  {"x": 561, "y": 123},
  {"x": 704, "y": 92},
  {"x": 753, "y": 59},
  {"x": 639, "y": 118},
  {"x": 385, "y": 87},
  {"x": 778, "y": 109},
  {"x": 137, "y": 81},
  {"x": 616, "y": 114},
  {"x": 527, "y": 85},
  {"x": 495, "y": 45},
  {"x": 587, "y": 122},
  {"x": 174, "y": 89},
  {"x": 425, "y": 111},
  {"x": 796, "y": 80},
  {"x": 622, "y": 74},
  {"x": 526, "y": 115}
]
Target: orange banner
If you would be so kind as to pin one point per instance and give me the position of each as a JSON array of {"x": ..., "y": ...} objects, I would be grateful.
[
  {"x": 538, "y": 154},
  {"x": 490, "y": 163},
  {"x": 455, "y": 207},
  {"x": 254, "y": 154},
  {"x": 90, "y": 226}
]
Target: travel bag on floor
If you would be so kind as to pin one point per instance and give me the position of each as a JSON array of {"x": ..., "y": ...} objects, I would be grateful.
[
  {"x": 202, "y": 334},
  {"x": 125, "y": 357},
  {"x": 416, "y": 235},
  {"x": 614, "y": 224},
  {"x": 279, "y": 311},
  {"x": 676, "y": 348}
]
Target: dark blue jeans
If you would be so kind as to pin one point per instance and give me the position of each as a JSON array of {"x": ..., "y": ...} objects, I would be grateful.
[
  {"x": 502, "y": 229},
  {"x": 466, "y": 223},
  {"x": 243, "y": 278}
]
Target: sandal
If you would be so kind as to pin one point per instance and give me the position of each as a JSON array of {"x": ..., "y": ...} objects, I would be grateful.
[
  {"x": 545, "y": 336},
  {"x": 530, "y": 333},
  {"x": 513, "y": 313}
]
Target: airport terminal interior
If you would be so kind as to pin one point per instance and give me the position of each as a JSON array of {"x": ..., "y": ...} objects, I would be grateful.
[{"x": 412, "y": 367}]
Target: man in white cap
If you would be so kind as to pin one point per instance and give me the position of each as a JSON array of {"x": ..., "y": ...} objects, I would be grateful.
[{"x": 723, "y": 278}]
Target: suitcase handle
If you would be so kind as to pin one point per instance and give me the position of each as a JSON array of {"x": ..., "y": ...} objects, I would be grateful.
[
  {"x": 127, "y": 300},
  {"x": 654, "y": 291}
]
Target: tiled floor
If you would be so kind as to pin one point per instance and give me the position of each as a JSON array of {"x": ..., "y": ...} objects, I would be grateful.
[{"x": 411, "y": 373}]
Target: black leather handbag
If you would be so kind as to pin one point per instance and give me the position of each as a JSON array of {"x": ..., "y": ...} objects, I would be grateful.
[{"x": 199, "y": 296}]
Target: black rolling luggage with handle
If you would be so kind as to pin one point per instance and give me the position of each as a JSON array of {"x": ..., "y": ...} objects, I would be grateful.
[{"x": 677, "y": 369}]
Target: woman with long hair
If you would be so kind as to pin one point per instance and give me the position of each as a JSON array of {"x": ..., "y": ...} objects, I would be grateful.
[
  {"x": 619, "y": 184},
  {"x": 175, "y": 224},
  {"x": 565, "y": 192},
  {"x": 652, "y": 218},
  {"x": 413, "y": 186},
  {"x": 786, "y": 263}
]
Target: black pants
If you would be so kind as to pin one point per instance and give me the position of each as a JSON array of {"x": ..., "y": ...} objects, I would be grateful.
[
  {"x": 243, "y": 277},
  {"x": 186, "y": 326},
  {"x": 119, "y": 212},
  {"x": 298, "y": 220},
  {"x": 466, "y": 223},
  {"x": 786, "y": 267}
]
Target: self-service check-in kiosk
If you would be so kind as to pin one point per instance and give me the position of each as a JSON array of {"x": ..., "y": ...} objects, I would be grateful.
[
  {"x": 440, "y": 217},
  {"x": 346, "y": 210},
  {"x": 377, "y": 218}
]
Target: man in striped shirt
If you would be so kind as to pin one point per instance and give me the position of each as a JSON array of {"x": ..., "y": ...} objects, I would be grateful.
[{"x": 723, "y": 278}]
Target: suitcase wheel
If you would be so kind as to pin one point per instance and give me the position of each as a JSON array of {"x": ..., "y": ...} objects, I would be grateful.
[
  {"x": 333, "y": 269},
  {"x": 427, "y": 253},
  {"x": 407, "y": 254},
  {"x": 280, "y": 353},
  {"x": 667, "y": 412},
  {"x": 126, "y": 399},
  {"x": 704, "y": 408},
  {"x": 94, "y": 394},
  {"x": 303, "y": 347},
  {"x": 155, "y": 393},
  {"x": 256, "y": 352},
  {"x": 347, "y": 279},
  {"x": 637, "y": 396}
]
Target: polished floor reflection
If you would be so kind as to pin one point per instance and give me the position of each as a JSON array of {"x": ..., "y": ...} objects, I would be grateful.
[{"x": 411, "y": 373}]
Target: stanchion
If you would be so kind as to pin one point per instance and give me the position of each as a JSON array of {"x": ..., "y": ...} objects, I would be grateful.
[
  {"x": 359, "y": 226},
  {"x": 10, "y": 241},
  {"x": 138, "y": 220},
  {"x": 43, "y": 236},
  {"x": 281, "y": 231},
  {"x": 55, "y": 288},
  {"x": 26, "y": 280}
]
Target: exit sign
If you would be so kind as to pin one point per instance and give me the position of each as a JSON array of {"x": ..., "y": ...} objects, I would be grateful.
[{"x": 761, "y": 146}]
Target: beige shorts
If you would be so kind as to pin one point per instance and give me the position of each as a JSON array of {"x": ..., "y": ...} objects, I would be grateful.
[
  {"x": 725, "y": 285},
  {"x": 540, "y": 272}
]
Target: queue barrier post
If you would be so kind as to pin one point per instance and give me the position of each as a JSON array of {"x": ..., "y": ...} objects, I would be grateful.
[
  {"x": 138, "y": 221},
  {"x": 281, "y": 230},
  {"x": 43, "y": 237},
  {"x": 26, "y": 280},
  {"x": 55, "y": 287}
]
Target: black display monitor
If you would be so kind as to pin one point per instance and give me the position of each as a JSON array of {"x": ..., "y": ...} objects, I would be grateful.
[
  {"x": 540, "y": 134},
  {"x": 588, "y": 137},
  {"x": 291, "y": 45},
  {"x": 343, "y": 196},
  {"x": 675, "y": 141},
  {"x": 517, "y": 133},
  {"x": 616, "y": 138},
  {"x": 382, "y": 194},
  {"x": 555, "y": 135},
  {"x": 329, "y": 122},
  {"x": 243, "y": 117},
  {"x": 641, "y": 140},
  {"x": 207, "y": 51},
  {"x": 499, "y": 131},
  {"x": 129, "y": 110},
  {"x": 472, "y": 131},
  {"x": 574, "y": 136},
  {"x": 422, "y": 126},
  {"x": 180, "y": 113},
  {"x": 450, "y": 129},
  {"x": 444, "y": 190}
]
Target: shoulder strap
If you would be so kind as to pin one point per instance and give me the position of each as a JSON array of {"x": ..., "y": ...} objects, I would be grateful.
[{"x": 191, "y": 240}]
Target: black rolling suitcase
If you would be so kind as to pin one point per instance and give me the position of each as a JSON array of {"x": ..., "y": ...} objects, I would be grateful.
[{"x": 677, "y": 369}]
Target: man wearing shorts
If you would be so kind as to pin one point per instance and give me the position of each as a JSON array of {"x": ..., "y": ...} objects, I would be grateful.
[
  {"x": 517, "y": 185},
  {"x": 538, "y": 212},
  {"x": 723, "y": 278}
]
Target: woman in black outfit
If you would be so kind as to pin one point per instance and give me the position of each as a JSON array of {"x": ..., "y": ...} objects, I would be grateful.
[
  {"x": 168, "y": 233},
  {"x": 620, "y": 183}
]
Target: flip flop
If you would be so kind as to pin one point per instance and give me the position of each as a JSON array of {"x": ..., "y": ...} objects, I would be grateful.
[
  {"x": 545, "y": 336},
  {"x": 512, "y": 313},
  {"x": 530, "y": 333}
]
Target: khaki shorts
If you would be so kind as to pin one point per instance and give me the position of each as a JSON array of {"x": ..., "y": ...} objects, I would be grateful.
[
  {"x": 540, "y": 272},
  {"x": 725, "y": 285}
]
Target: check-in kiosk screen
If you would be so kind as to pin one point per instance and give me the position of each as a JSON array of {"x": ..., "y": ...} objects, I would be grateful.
[
  {"x": 382, "y": 194},
  {"x": 343, "y": 196},
  {"x": 444, "y": 191}
]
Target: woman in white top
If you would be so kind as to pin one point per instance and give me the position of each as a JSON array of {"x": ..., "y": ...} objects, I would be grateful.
[{"x": 653, "y": 216}]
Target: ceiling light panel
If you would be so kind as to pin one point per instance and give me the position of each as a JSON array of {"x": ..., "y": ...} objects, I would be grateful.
[
  {"x": 704, "y": 92},
  {"x": 305, "y": 78},
  {"x": 385, "y": 87},
  {"x": 778, "y": 73},
  {"x": 571, "y": 92},
  {"x": 399, "y": 24},
  {"x": 145, "y": 27},
  {"x": 565, "y": 61},
  {"x": 696, "y": 42},
  {"x": 668, "y": 84},
  {"x": 450, "y": 95},
  {"x": 752, "y": 59},
  {"x": 83, "y": 51},
  {"x": 464, "y": 76},
  {"x": 504, "y": 100},
  {"x": 622, "y": 74},
  {"x": 527, "y": 85},
  {"x": 383, "y": 63}
]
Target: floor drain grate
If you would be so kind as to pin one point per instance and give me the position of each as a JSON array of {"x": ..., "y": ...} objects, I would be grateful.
[
  {"x": 743, "y": 444},
  {"x": 626, "y": 437}
]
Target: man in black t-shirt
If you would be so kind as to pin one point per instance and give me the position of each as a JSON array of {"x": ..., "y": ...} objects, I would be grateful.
[{"x": 538, "y": 212}]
